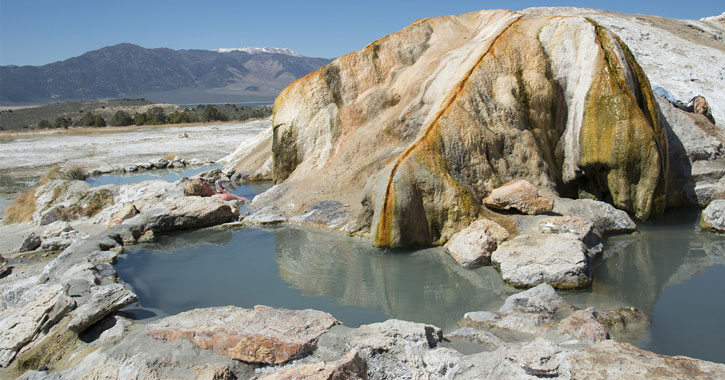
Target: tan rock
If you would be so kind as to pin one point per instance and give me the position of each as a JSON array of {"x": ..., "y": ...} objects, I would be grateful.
[
  {"x": 260, "y": 335},
  {"x": 128, "y": 211},
  {"x": 349, "y": 367},
  {"x": 584, "y": 326},
  {"x": 520, "y": 195},
  {"x": 472, "y": 246}
]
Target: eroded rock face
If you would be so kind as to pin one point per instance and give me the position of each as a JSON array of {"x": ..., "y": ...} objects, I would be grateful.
[
  {"x": 417, "y": 128},
  {"x": 261, "y": 335},
  {"x": 473, "y": 245}
]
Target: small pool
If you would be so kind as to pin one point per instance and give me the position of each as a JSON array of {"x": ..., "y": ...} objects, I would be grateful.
[
  {"x": 670, "y": 270},
  {"x": 169, "y": 175}
]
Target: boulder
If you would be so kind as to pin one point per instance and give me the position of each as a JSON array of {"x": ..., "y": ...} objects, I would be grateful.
[
  {"x": 261, "y": 335},
  {"x": 713, "y": 216},
  {"x": 539, "y": 299},
  {"x": 103, "y": 301},
  {"x": 520, "y": 195},
  {"x": 605, "y": 217},
  {"x": 528, "y": 260},
  {"x": 472, "y": 246},
  {"x": 62, "y": 241},
  {"x": 415, "y": 129},
  {"x": 30, "y": 243},
  {"x": 184, "y": 213}
]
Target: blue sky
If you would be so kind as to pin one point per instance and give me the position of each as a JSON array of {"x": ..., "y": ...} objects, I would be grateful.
[{"x": 35, "y": 32}]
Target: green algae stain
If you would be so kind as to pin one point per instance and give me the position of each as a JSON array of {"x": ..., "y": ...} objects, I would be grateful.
[{"x": 623, "y": 151}]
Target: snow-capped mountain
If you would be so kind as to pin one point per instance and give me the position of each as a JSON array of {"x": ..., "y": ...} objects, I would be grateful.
[{"x": 263, "y": 50}]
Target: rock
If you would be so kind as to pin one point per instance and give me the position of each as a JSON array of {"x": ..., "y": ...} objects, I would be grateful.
[
  {"x": 55, "y": 229},
  {"x": 472, "y": 246},
  {"x": 713, "y": 216},
  {"x": 539, "y": 299},
  {"x": 21, "y": 325},
  {"x": 415, "y": 154},
  {"x": 349, "y": 367},
  {"x": 30, "y": 243},
  {"x": 184, "y": 213},
  {"x": 3, "y": 265},
  {"x": 264, "y": 218},
  {"x": 161, "y": 163},
  {"x": 624, "y": 324},
  {"x": 484, "y": 339},
  {"x": 177, "y": 165},
  {"x": 252, "y": 160},
  {"x": 198, "y": 187},
  {"x": 261, "y": 335},
  {"x": 104, "y": 300},
  {"x": 209, "y": 175},
  {"x": 330, "y": 214},
  {"x": 388, "y": 335},
  {"x": 62, "y": 241},
  {"x": 520, "y": 195},
  {"x": 513, "y": 326},
  {"x": 128, "y": 211},
  {"x": 614, "y": 360},
  {"x": 584, "y": 326},
  {"x": 528, "y": 260},
  {"x": 605, "y": 217}
]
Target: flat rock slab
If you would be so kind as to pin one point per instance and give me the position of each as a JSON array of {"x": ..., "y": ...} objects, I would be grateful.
[
  {"x": 606, "y": 218},
  {"x": 529, "y": 260},
  {"x": 261, "y": 335}
]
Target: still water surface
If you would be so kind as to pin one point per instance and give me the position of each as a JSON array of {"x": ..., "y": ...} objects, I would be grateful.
[{"x": 671, "y": 270}]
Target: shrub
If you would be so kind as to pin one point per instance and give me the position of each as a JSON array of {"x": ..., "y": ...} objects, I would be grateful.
[
  {"x": 62, "y": 122},
  {"x": 179, "y": 117},
  {"x": 211, "y": 113},
  {"x": 44, "y": 124},
  {"x": 91, "y": 120},
  {"x": 121, "y": 118}
]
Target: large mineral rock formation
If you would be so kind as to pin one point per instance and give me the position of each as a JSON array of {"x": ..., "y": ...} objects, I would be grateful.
[{"x": 414, "y": 130}]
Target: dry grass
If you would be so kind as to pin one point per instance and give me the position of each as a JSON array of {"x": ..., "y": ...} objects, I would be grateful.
[
  {"x": 172, "y": 155},
  {"x": 23, "y": 207}
]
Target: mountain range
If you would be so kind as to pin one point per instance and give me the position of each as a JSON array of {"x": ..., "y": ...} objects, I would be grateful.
[{"x": 160, "y": 75}]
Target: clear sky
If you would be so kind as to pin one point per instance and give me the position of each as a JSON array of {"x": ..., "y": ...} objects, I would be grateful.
[{"x": 36, "y": 32}]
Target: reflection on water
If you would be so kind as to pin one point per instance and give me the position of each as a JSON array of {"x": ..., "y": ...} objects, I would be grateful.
[
  {"x": 673, "y": 272},
  {"x": 669, "y": 269},
  {"x": 169, "y": 175},
  {"x": 298, "y": 268}
]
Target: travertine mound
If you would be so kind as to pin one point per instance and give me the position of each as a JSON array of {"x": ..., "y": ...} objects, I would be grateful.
[{"x": 414, "y": 130}]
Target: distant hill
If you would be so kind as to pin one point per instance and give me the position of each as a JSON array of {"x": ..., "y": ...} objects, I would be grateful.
[{"x": 160, "y": 75}]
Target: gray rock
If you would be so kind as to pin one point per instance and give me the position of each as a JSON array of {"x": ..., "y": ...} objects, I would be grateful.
[
  {"x": 184, "y": 213},
  {"x": 539, "y": 299},
  {"x": 30, "y": 243},
  {"x": 62, "y": 241},
  {"x": 584, "y": 327},
  {"x": 484, "y": 339},
  {"x": 605, "y": 217},
  {"x": 55, "y": 229},
  {"x": 713, "y": 216},
  {"x": 472, "y": 246},
  {"x": 528, "y": 260},
  {"x": 264, "y": 218},
  {"x": 3, "y": 264},
  {"x": 103, "y": 301},
  {"x": 330, "y": 214},
  {"x": 21, "y": 325}
]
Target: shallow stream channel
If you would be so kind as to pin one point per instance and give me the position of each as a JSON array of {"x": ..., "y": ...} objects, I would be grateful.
[{"x": 669, "y": 269}]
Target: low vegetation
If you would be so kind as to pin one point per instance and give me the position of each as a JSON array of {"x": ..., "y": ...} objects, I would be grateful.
[{"x": 124, "y": 112}]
